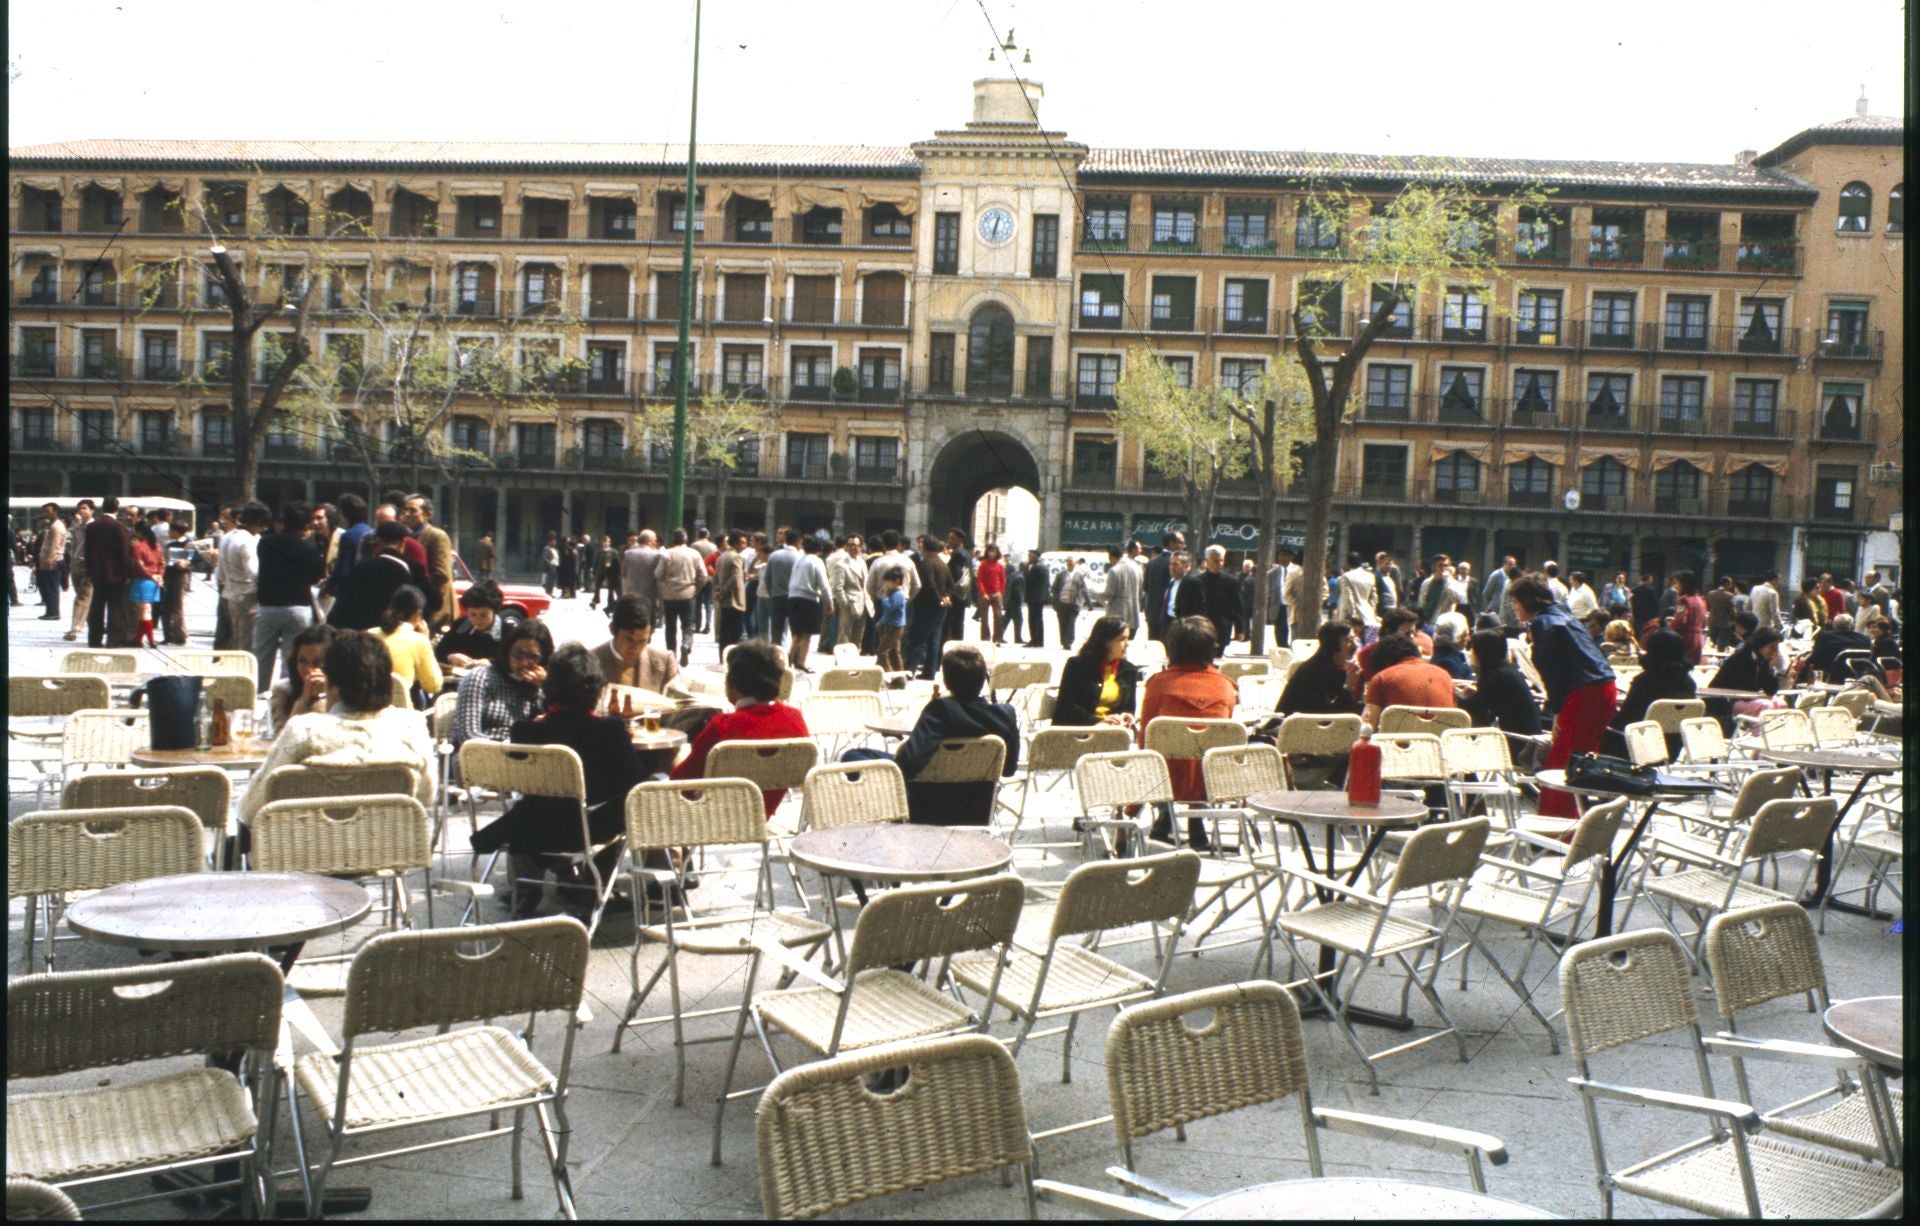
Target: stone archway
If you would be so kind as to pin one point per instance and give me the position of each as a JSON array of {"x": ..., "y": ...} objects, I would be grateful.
[{"x": 968, "y": 465}]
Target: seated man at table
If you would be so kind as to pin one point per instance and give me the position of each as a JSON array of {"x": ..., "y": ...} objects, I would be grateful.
[
  {"x": 961, "y": 712},
  {"x": 1824, "y": 656},
  {"x": 754, "y": 669},
  {"x": 475, "y": 638},
  {"x": 360, "y": 726},
  {"x": 1402, "y": 679},
  {"x": 630, "y": 659}
]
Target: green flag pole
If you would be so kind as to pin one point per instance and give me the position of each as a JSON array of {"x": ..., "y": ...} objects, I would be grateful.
[{"x": 677, "y": 480}]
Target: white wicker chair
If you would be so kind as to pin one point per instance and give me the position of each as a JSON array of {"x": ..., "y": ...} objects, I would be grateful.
[
  {"x": 207, "y": 790},
  {"x": 1634, "y": 986},
  {"x": 54, "y": 853}
]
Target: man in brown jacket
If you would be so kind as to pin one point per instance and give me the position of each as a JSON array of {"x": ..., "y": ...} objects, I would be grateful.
[
  {"x": 678, "y": 574},
  {"x": 418, "y": 517},
  {"x": 730, "y": 591},
  {"x": 46, "y": 563}
]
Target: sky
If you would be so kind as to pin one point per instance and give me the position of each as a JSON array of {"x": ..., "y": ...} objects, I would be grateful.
[{"x": 1631, "y": 80}]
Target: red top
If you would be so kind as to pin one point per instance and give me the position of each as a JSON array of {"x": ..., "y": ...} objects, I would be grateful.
[
  {"x": 1690, "y": 623},
  {"x": 1199, "y": 691},
  {"x": 992, "y": 576},
  {"x": 760, "y": 721},
  {"x": 1411, "y": 683},
  {"x": 1364, "y": 657},
  {"x": 1836, "y": 602},
  {"x": 414, "y": 551},
  {"x": 147, "y": 558}
]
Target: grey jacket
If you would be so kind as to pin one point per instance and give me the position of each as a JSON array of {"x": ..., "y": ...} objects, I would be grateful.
[{"x": 1123, "y": 592}]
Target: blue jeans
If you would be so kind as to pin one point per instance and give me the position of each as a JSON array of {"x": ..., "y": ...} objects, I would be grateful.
[
  {"x": 924, "y": 632},
  {"x": 274, "y": 628}
]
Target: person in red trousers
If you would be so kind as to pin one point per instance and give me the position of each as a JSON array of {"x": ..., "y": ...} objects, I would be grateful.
[{"x": 1580, "y": 686}]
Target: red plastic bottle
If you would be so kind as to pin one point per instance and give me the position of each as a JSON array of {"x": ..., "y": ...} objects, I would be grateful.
[{"x": 1363, "y": 773}]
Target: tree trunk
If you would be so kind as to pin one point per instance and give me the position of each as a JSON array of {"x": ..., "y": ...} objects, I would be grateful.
[
  {"x": 1268, "y": 465},
  {"x": 720, "y": 481}
]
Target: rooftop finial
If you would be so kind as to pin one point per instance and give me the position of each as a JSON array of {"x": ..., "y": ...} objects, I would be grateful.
[{"x": 1860, "y": 107}]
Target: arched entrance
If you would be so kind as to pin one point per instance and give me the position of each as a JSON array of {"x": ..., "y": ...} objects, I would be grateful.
[{"x": 968, "y": 467}]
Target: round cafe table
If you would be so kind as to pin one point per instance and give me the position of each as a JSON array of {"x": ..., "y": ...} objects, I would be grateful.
[
  {"x": 894, "y": 727},
  {"x": 894, "y": 852},
  {"x": 1556, "y": 778},
  {"x": 657, "y": 742},
  {"x": 1826, "y": 763},
  {"x": 1359, "y": 1200},
  {"x": 1712, "y": 691},
  {"x": 1872, "y": 1026},
  {"x": 230, "y": 756},
  {"x": 1331, "y": 810},
  {"x": 211, "y": 913}
]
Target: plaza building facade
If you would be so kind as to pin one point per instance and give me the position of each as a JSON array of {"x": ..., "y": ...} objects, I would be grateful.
[{"x": 1708, "y": 356}]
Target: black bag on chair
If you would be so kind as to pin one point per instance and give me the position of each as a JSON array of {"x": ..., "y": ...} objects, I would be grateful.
[
  {"x": 1608, "y": 774},
  {"x": 172, "y": 703}
]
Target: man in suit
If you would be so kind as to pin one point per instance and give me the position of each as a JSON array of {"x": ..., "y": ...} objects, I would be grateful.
[
  {"x": 1123, "y": 589},
  {"x": 847, "y": 579},
  {"x": 1493, "y": 597},
  {"x": 928, "y": 608},
  {"x": 1037, "y": 590},
  {"x": 1220, "y": 598},
  {"x": 637, "y": 574},
  {"x": 1764, "y": 602},
  {"x": 730, "y": 591},
  {"x": 418, "y": 517},
  {"x": 1358, "y": 599},
  {"x": 1183, "y": 597},
  {"x": 1155, "y": 582}
]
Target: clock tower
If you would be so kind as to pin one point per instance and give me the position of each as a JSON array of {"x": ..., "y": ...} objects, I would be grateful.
[{"x": 993, "y": 294}]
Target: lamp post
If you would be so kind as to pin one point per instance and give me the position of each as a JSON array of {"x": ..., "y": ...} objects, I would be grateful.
[{"x": 677, "y": 478}]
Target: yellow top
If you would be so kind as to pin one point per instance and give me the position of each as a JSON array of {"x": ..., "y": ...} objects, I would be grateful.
[
  {"x": 1109, "y": 694},
  {"x": 413, "y": 660}
]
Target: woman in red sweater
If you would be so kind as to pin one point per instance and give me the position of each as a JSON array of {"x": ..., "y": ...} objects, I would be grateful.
[
  {"x": 753, "y": 687},
  {"x": 1189, "y": 686},
  {"x": 144, "y": 592},
  {"x": 1689, "y": 619},
  {"x": 991, "y": 576}
]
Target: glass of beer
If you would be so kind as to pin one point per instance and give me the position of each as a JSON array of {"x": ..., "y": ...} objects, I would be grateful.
[{"x": 651, "y": 720}]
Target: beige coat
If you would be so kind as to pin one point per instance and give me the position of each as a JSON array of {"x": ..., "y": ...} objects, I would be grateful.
[
  {"x": 679, "y": 573},
  {"x": 730, "y": 582},
  {"x": 439, "y": 547}
]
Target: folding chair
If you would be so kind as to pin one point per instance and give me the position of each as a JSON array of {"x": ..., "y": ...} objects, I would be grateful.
[
  {"x": 1430, "y": 720},
  {"x": 1646, "y": 743},
  {"x": 1234, "y": 670},
  {"x": 382, "y": 836},
  {"x": 1670, "y": 713},
  {"x": 1634, "y": 986},
  {"x": 1798, "y": 824},
  {"x": 1859, "y": 702},
  {"x": 1181, "y": 1059},
  {"x": 841, "y": 717},
  {"x": 57, "y": 852},
  {"x": 58, "y": 1025},
  {"x": 1051, "y": 755},
  {"x": 1282, "y": 658},
  {"x": 216, "y": 663},
  {"x": 1478, "y": 763},
  {"x": 404, "y": 981},
  {"x": 1070, "y": 977},
  {"x": 873, "y": 1003},
  {"x": 1363, "y": 929},
  {"x": 1233, "y": 773},
  {"x": 1019, "y": 674},
  {"x": 1182, "y": 739},
  {"x": 541, "y": 770},
  {"x": 1762, "y": 954},
  {"x": 1534, "y": 896},
  {"x": 1878, "y": 836},
  {"x": 1315, "y": 736},
  {"x": 1834, "y": 727},
  {"x": 672, "y": 815},
  {"x": 1789, "y": 729},
  {"x": 1260, "y": 695},
  {"x": 824, "y": 1138},
  {"x": 778, "y": 765},
  {"x": 300, "y": 782},
  {"x": 847, "y": 655},
  {"x": 101, "y": 738},
  {"x": 48, "y": 696},
  {"x": 1698, "y": 839},
  {"x": 110, "y": 663},
  {"x": 865, "y": 678},
  {"x": 207, "y": 790}
]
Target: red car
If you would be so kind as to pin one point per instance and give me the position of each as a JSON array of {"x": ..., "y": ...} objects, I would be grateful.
[{"x": 519, "y": 601}]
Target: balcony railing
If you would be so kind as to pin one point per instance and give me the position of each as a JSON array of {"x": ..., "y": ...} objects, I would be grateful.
[
  {"x": 1767, "y": 256},
  {"x": 809, "y": 390},
  {"x": 1827, "y": 513},
  {"x": 163, "y": 370},
  {"x": 1857, "y": 427},
  {"x": 40, "y": 365},
  {"x": 1864, "y": 347},
  {"x": 806, "y": 470},
  {"x": 1057, "y": 388},
  {"x": 1679, "y": 504},
  {"x": 1529, "y": 498},
  {"x": 1720, "y": 338},
  {"x": 1694, "y": 253},
  {"x": 34, "y": 442},
  {"x": 168, "y": 445},
  {"x": 878, "y": 474},
  {"x": 285, "y": 450}
]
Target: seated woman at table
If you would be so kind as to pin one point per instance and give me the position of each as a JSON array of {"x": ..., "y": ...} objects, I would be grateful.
[
  {"x": 1188, "y": 687},
  {"x": 475, "y": 638},
  {"x": 360, "y": 726},
  {"x": 1098, "y": 682},
  {"x": 404, "y": 627},
  {"x": 1403, "y": 679},
  {"x": 1753, "y": 666},
  {"x": 495, "y": 696},
  {"x": 1319, "y": 686},
  {"x": 285, "y": 701},
  {"x": 537, "y": 828},
  {"x": 1618, "y": 645},
  {"x": 1664, "y": 673},
  {"x": 1500, "y": 696},
  {"x": 961, "y": 712},
  {"x": 754, "y": 669}
]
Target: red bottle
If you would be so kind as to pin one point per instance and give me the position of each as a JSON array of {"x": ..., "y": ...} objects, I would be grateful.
[{"x": 1363, "y": 773}]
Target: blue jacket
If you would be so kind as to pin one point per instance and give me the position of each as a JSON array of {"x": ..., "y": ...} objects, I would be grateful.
[{"x": 1564, "y": 654}]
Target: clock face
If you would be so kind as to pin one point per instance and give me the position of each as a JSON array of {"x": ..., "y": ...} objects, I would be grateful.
[{"x": 996, "y": 225}]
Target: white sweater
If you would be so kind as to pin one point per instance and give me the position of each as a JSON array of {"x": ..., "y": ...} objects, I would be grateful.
[{"x": 393, "y": 735}]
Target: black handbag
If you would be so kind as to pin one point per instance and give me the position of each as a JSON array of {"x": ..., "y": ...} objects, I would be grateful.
[{"x": 1603, "y": 773}]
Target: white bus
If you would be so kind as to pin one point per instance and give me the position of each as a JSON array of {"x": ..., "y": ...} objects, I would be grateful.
[{"x": 25, "y": 510}]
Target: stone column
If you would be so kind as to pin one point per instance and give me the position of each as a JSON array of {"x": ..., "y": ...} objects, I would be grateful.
[
  {"x": 1414, "y": 550},
  {"x": 566, "y": 510},
  {"x": 839, "y": 516},
  {"x": 500, "y": 526},
  {"x": 772, "y": 522},
  {"x": 1634, "y": 560},
  {"x": 633, "y": 511},
  {"x": 1339, "y": 545},
  {"x": 1488, "y": 556},
  {"x": 1707, "y": 570}
]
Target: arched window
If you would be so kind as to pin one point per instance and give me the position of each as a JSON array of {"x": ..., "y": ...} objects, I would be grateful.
[
  {"x": 1603, "y": 485},
  {"x": 990, "y": 352},
  {"x": 1856, "y": 208},
  {"x": 1897, "y": 209},
  {"x": 350, "y": 211},
  {"x": 1456, "y": 478}
]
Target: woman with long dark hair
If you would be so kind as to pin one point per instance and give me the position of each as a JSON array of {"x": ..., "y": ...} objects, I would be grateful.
[
  {"x": 403, "y": 624},
  {"x": 144, "y": 592},
  {"x": 1098, "y": 683}
]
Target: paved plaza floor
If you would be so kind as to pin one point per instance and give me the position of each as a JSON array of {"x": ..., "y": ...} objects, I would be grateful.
[{"x": 635, "y": 1155}]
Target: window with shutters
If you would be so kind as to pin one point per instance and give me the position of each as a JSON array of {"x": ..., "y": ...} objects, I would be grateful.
[
  {"x": 216, "y": 432},
  {"x": 1389, "y": 395},
  {"x": 614, "y": 219},
  {"x": 946, "y": 243},
  {"x": 1046, "y": 245},
  {"x": 1314, "y": 229},
  {"x": 1463, "y": 315},
  {"x": 880, "y": 375},
  {"x": 1530, "y": 483},
  {"x": 673, "y": 209},
  {"x": 812, "y": 300},
  {"x": 1400, "y": 323},
  {"x": 887, "y": 224},
  {"x": 1176, "y": 224},
  {"x": 883, "y": 300},
  {"x": 1856, "y": 209},
  {"x": 820, "y": 225},
  {"x": 37, "y": 351},
  {"x": 159, "y": 355},
  {"x": 1383, "y": 471},
  {"x": 602, "y": 440},
  {"x": 1683, "y": 401},
  {"x": 543, "y": 218},
  {"x": 1249, "y": 226},
  {"x": 752, "y": 220},
  {"x": 98, "y": 358},
  {"x": 1244, "y": 307},
  {"x": 1607, "y": 399},
  {"x": 1241, "y": 375},
  {"x": 990, "y": 351},
  {"x": 36, "y": 430},
  {"x": 1896, "y": 209},
  {"x": 607, "y": 367},
  {"x": 876, "y": 459},
  {"x": 666, "y": 297},
  {"x": 1847, "y": 335},
  {"x": 1180, "y": 367},
  {"x": 1603, "y": 485},
  {"x": 1612, "y": 324},
  {"x": 744, "y": 297},
  {"x": 156, "y": 432},
  {"x": 44, "y": 288},
  {"x": 1834, "y": 491},
  {"x": 536, "y": 444},
  {"x": 664, "y": 370},
  {"x": 477, "y": 217},
  {"x": 1039, "y": 382},
  {"x": 1750, "y": 491}
]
